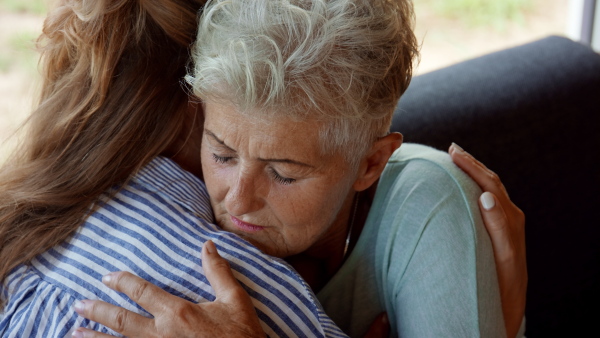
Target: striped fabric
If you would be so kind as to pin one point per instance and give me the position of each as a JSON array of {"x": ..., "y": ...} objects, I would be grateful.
[{"x": 154, "y": 227}]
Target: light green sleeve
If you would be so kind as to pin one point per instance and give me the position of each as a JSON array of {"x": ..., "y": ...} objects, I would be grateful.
[
  {"x": 434, "y": 262},
  {"x": 424, "y": 256}
]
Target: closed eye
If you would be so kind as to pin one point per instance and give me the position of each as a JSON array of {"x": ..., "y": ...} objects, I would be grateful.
[
  {"x": 221, "y": 159},
  {"x": 280, "y": 179}
]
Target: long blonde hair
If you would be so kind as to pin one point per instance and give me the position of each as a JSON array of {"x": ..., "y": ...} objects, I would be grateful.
[{"x": 111, "y": 100}]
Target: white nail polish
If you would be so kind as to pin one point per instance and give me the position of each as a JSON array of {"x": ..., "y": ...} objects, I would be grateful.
[
  {"x": 78, "y": 306},
  {"x": 487, "y": 200},
  {"x": 106, "y": 278},
  {"x": 458, "y": 148}
]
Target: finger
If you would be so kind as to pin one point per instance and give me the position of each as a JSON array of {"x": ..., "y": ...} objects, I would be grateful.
[
  {"x": 485, "y": 178},
  {"x": 380, "y": 327},
  {"x": 218, "y": 272},
  {"x": 114, "y": 317},
  {"x": 87, "y": 333},
  {"x": 149, "y": 296},
  {"x": 510, "y": 273},
  {"x": 497, "y": 225}
]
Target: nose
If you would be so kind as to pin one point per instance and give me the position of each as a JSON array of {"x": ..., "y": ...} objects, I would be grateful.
[{"x": 243, "y": 195}]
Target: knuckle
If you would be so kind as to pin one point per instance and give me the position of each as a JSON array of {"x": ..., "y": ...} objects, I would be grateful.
[
  {"x": 139, "y": 291},
  {"x": 497, "y": 224},
  {"x": 118, "y": 278},
  {"x": 238, "y": 293},
  {"x": 492, "y": 176},
  {"x": 516, "y": 216},
  {"x": 121, "y": 317},
  {"x": 91, "y": 308},
  {"x": 508, "y": 256},
  {"x": 180, "y": 309},
  {"x": 496, "y": 220},
  {"x": 221, "y": 264}
]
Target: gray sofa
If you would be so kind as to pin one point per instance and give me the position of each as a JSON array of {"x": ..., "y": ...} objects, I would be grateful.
[{"x": 531, "y": 114}]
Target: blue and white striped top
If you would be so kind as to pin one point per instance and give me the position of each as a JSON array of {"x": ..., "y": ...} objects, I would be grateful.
[{"x": 154, "y": 227}]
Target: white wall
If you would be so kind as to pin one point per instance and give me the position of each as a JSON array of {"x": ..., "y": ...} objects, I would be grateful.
[{"x": 578, "y": 10}]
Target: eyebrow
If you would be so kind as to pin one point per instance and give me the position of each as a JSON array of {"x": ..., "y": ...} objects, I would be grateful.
[
  {"x": 277, "y": 160},
  {"x": 221, "y": 142}
]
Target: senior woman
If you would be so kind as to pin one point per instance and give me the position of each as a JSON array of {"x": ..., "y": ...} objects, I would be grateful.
[
  {"x": 297, "y": 160},
  {"x": 104, "y": 117}
]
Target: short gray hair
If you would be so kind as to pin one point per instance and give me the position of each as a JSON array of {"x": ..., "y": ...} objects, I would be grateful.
[{"x": 345, "y": 62}]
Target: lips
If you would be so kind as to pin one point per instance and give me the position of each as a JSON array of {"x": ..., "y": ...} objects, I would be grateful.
[{"x": 247, "y": 227}]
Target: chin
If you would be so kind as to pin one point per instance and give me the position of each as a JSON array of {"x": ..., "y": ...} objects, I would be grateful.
[
  {"x": 258, "y": 244},
  {"x": 265, "y": 248}
]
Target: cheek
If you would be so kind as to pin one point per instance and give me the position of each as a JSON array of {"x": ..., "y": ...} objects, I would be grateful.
[
  {"x": 328, "y": 203},
  {"x": 308, "y": 212},
  {"x": 215, "y": 177}
]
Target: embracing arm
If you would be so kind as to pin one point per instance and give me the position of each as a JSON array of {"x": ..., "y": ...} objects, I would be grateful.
[
  {"x": 433, "y": 256},
  {"x": 505, "y": 223},
  {"x": 231, "y": 314}
]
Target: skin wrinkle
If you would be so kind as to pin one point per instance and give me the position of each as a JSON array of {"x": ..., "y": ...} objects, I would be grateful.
[
  {"x": 339, "y": 58},
  {"x": 297, "y": 216}
]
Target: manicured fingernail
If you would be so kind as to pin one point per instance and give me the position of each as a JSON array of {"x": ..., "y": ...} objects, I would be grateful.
[
  {"x": 487, "y": 200},
  {"x": 458, "y": 148},
  {"x": 210, "y": 247},
  {"x": 79, "y": 306},
  {"x": 107, "y": 278},
  {"x": 78, "y": 334}
]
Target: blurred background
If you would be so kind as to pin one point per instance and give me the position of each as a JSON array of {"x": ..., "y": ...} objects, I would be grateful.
[{"x": 450, "y": 31}]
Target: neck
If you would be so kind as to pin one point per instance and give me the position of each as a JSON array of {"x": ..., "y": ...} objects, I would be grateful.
[
  {"x": 318, "y": 264},
  {"x": 322, "y": 260}
]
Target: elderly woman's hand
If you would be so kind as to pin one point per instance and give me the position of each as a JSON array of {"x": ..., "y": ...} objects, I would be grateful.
[
  {"x": 231, "y": 314},
  {"x": 505, "y": 223}
]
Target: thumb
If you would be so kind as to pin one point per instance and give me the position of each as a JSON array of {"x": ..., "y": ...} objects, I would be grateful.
[
  {"x": 380, "y": 327},
  {"x": 497, "y": 226},
  {"x": 218, "y": 272}
]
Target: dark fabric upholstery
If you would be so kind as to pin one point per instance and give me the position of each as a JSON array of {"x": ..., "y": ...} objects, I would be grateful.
[{"x": 532, "y": 114}]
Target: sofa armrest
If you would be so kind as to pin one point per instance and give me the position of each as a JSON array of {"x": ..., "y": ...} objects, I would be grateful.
[{"x": 532, "y": 114}]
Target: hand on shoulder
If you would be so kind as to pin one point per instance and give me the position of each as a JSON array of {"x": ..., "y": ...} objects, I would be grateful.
[
  {"x": 231, "y": 314},
  {"x": 505, "y": 223}
]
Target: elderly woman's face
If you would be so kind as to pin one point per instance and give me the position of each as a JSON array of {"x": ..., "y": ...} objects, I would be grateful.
[{"x": 270, "y": 183}]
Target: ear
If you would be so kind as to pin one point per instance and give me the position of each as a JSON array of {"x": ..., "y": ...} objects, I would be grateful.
[{"x": 374, "y": 162}]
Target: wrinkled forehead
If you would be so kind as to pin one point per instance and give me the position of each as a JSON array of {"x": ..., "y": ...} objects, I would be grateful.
[
  {"x": 313, "y": 128},
  {"x": 295, "y": 104},
  {"x": 227, "y": 117}
]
